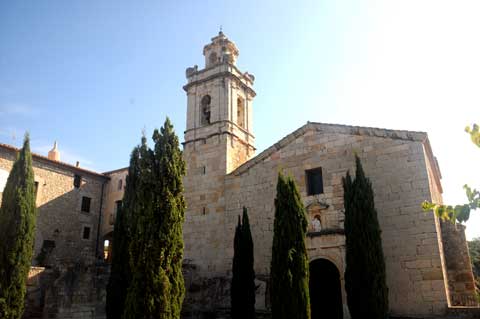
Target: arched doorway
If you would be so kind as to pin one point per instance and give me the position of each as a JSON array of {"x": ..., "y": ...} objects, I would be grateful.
[
  {"x": 107, "y": 247},
  {"x": 325, "y": 290}
]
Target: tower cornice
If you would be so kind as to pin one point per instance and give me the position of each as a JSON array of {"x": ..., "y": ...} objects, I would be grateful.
[{"x": 230, "y": 70}]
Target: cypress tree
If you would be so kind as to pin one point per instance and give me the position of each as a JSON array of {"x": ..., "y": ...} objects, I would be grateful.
[
  {"x": 156, "y": 249},
  {"x": 236, "y": 286},
  {"x": 289, "y": 266},
  {"x": 365, "y": 277},
  {"x": 17, "y": 234},
  {"x": 243, "y": 275},
  {"x": 120, "y": 273}
]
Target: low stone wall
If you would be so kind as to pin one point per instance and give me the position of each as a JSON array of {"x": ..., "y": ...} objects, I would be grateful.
[
  {"x": 461, "y": 283},
  {"x": 74, "y": 292}
]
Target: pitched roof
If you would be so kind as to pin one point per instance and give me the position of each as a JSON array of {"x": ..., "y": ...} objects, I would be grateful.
[
  {"x": 334, "y": 128},
  {"x": 116, "y": 170},
  {"x": 63, "y": 165}
]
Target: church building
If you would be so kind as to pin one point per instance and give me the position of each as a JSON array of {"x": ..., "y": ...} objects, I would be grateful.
[{"x": 427, "y": 261}]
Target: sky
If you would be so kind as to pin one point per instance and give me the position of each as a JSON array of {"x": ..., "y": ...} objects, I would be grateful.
[{"x": 93, "y": 75}]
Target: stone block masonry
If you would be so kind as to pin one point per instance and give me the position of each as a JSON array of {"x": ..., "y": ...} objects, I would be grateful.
[
  {"x": 398, "y": 169},
  {"x": 69, "y": 200}
]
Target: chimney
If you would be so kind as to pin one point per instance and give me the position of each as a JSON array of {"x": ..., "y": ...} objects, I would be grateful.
[
  {"x": 54, "y": 154},
  {"x": 78, "y": 164}
]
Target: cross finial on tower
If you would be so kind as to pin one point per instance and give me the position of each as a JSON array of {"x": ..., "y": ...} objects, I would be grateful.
[{"x": 221, "y": 29}]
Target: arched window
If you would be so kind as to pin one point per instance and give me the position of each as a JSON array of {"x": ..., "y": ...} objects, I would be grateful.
[
  {"x": 205, "y": 110},
  {"x": 212, "y": 59},
  {"x": 240, "y": 112}
]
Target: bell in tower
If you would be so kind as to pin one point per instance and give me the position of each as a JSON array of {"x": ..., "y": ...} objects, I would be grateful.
[{"x": 219, "y": 110}]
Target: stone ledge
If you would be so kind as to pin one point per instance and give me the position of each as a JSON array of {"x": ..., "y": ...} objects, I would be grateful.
[{"x": 325, "y": 232}]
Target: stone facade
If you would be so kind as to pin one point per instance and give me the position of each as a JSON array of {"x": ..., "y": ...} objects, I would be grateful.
[
  {"x": 61, "y": 223},
  {"x": 428, "y": 266},
  {"x": 113, "y": 198},
  {"x": 223, "y": 176},
  {"x": 67, "y": 240}
]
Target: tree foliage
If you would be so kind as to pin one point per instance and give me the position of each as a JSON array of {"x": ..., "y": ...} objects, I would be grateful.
[
  {"x": 365, "y": 275},
  {"x": 474, "y": 250},
  {"x": 120, "y": 273},
  {"x": 17, "y": 234},
  {"x": 459, "y": 213},
  {"x": 289, "y": 266},
  {"x": 243, "y": 275},
  {"x": 156, "y": 249}
]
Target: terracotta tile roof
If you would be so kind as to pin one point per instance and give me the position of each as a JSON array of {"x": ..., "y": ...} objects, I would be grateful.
[
  {"x": 64, "y": 165},
  {"x": 116, "y": 170}
]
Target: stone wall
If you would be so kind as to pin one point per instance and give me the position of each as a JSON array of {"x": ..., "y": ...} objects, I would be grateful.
[
  {"x": 70, "y": 284},
  {"x": 398, "y": 170},
  {"x": 461, "y": 282},
  {"x": 456, "y": 265},
  {"x": 60, "y": 219},
  {"x": 114, "y": 191},
  {"x": 76, "y": 292}
]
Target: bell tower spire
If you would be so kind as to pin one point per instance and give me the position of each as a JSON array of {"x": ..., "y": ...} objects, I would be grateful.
[{"x": 219, "y": 110}]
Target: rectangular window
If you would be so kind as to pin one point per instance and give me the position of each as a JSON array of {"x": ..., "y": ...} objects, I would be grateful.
[
  {"x": 86, "y": 204},
  {"x": 36, "y": 189},
  {"x": 48, "y": 244},
  {"x": 240, "y": 112},
  {"x": 86, "y": 233},
  {"x": 118, "y": 205},
  {"x": 77, "y": 181},
  {"x": 314, "y": 181}
]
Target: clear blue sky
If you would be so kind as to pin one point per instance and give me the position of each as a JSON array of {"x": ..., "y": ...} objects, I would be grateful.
[{"x": 93, "y": 74}]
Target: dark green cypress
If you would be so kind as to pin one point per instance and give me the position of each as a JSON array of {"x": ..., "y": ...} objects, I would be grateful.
[
  {"x": 365, "y": 276},
  {"x": 17, "y": 234},
  {"x": 156, "y": 250},
  {"x": 248, "y": 273},
  {"x": 289, "y": 266},
  {"x": 236, "y": 286},
  {"x": 243, "y": 273},
  {"x": 120, "y": 273}
]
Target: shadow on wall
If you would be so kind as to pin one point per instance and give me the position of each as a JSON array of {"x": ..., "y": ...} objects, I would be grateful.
[
  {"x": 66, "y": 276},
  {"x": 66, "y": 230}
]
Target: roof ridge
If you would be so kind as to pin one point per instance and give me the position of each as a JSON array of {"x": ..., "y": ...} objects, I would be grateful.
[
  {"x": 337, "y": 128},
  {"x": 59, "y": 163}
]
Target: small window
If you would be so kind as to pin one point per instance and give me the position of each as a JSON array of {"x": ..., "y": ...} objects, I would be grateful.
[
  {"x": 205, "y": 110},
  {"x": 86, "y": 204},
  {"x": 48, "y": 244},
  {"x": 240, "y": 112},
  {"x": 86, "y": 233},
  {"x": 118, "y": 206},
  {"x": 212, "y": 58},
  {"x": 314, "y": 181},
  {"x": 120, "y": 184},
  {"x": 36, "y": 189},
  {"x": 77, "y": 181},
  {"x": 204, "y": 170}
]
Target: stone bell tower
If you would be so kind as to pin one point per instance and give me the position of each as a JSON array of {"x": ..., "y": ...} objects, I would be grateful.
[{"x": 219, "y": 136}]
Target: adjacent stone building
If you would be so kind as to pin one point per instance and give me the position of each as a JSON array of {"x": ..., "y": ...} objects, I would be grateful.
[
  {"x": 67, "y": 240},
  {"x": 428, "y": 266}
]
